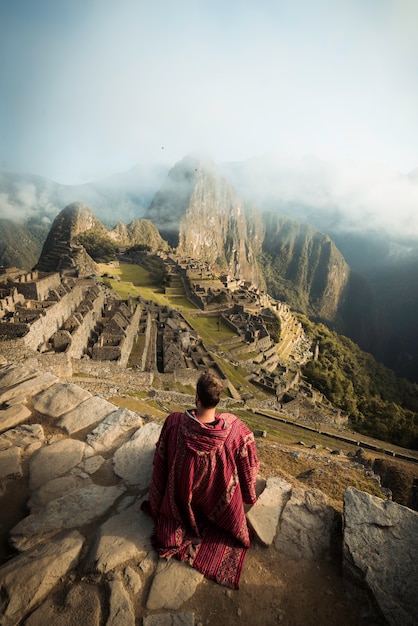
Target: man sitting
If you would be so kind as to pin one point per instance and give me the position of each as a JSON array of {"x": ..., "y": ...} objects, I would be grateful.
[{"x": 205, "y": 467}]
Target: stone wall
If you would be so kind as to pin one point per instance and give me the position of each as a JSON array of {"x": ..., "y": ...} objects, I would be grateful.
[
  {"x": 130, "y": 335},
  {"x": 9, "y": 302},
  {"x": 36, "y": 286},
  {"x": 81, "y": 335},
  {"x": 52, "y": 319}
]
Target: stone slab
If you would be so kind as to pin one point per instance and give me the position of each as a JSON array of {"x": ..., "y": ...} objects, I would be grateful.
[
  {"x": 122, "y": 537},
  {"x": 173, "y": 584},
  {"x": 307, "y": 526},
  {"x": 27, "y": 437},
  {"x": 55, "y": 460},
  {"x": 59, "y": 399},
  {"x": 29, "y": 387},
  {"x": 10, "y": 463},
  {"x": 14, "y": 374},
  {"x": 86, "y": 415},
  {"x": 74, "y": 509},
  {"x": 26, "y": 580},
  {"x": 54, "y": 489},
  {"x": 13, "y": 416},
  {"x": 121, "y": 610},
  {"x": 380, "y": 551},
  {"x": 264, "y": 516},
  {"x": 114, "y": 430},
  {"x": 133, "y": 460}
]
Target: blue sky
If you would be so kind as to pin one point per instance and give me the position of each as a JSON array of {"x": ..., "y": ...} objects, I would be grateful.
[{"x": 92, "y": 87}]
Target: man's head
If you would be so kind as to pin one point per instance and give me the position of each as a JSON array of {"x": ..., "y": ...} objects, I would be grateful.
[{"x": 209, "y": 389}]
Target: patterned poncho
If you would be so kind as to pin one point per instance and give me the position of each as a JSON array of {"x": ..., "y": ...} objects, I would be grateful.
[{"x": 202, "y": 476}]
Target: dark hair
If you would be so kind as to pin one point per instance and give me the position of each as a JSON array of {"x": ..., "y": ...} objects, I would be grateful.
[{"x": 209, "y": 389}]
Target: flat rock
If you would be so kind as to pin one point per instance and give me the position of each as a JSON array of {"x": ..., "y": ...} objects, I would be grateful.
[
  {"x": 133, "y": 460},
  {"x": 133, "y": 580},
  {"x": 14, "y": 374},
  {"x": 122, "y": 537},
  {"x": 27, "y": 437},
  {"x": 12, "y": 416},
  {"x": 379, "y": 554},
  {"x": 10, "y": 463},
  {"x": 26, "y": 580},
  {"x": 114, "y": 430},
  {"x": 72, "y": 510},
  {"x": 55, "y": 460},
  {"x": 169, "y": 619},
  {"x": 29, "y": 387},
  {"x": 86, "y": 415},
  {"x": 81, "y": 607},
  {"x": 173, "y": 584},
  {"x": 54, "y": 489},
  {"x": 121, "y": 610},
  {"x": 59, "y": 399},
  {"x": 307, "y": 525},
  {"x": 264, "y": 516}
]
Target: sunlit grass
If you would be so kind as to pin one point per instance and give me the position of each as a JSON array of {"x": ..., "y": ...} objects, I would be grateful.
[
  {"x": 137, "y": 281},
  {"x": 207, "y": 328}
]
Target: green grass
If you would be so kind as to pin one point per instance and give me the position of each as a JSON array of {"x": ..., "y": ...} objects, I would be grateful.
[
  {"x": 207, "y": 328},
  {"x": 137, "y": 281}
]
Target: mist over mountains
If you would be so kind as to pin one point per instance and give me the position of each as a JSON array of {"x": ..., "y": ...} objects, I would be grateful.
[{"x": 298, "y": 228}]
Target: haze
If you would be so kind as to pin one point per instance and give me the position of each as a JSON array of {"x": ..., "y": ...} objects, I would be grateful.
[{"x": 91, "y": 87}]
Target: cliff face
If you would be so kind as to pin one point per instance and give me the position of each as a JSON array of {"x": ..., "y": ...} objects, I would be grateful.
[
  {"x": 304, "y": 266},
  {"x": 199, "y": 212}
]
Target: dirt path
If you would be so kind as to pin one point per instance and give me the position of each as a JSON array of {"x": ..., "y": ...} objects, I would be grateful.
[{"x": 275, "y": 589}]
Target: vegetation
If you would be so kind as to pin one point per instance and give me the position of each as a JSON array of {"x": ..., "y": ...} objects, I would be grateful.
[
  {"x": 378, "y": 403},
  {"x": 98, "y": 245}
]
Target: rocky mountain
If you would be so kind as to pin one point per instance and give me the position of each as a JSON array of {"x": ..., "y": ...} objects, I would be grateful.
[
  {"x": 29, "y": 204},
  {"x": 198, "y": 211},
  {"x": 61, "y": 250},
  {"x": 138, "y": 233}
]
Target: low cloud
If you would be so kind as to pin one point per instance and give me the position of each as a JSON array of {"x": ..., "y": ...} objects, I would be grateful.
[{"x": 342, "y": 196}]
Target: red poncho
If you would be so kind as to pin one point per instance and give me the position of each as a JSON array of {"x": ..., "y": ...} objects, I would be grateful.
[{"x": 202, "y": 476}]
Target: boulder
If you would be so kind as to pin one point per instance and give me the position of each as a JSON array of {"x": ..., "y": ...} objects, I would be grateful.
[
  {"x": 23, "y": 582},
  {"x": 59, "y": 399},
  {"x": 308, "y": 526},
  {"x": 133, "y": 460},
  {"x": 379, "y": 554}
]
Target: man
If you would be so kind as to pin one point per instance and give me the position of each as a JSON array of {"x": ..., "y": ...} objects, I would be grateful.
[{"x": 205, "y": 467}]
